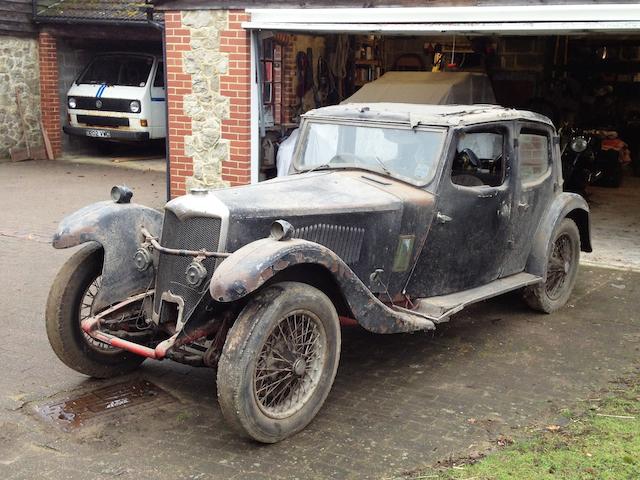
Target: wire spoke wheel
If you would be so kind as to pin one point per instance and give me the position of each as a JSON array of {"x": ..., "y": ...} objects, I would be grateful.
[
  {"x": 86, "y": 310},
  {"x": 71, "y": 300},
  {"x": 562, "y": 268},
  {"x": 560, "y": 263},
  {"x": 290, "y": 363},
  {"x": 279, "y": 361}
]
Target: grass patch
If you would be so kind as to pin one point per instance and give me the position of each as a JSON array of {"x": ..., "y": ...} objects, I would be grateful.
[{"x": 601, "y": 441}]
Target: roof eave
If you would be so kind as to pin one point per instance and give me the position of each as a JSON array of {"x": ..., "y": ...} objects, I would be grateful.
[{"x": 43, "y": 20}]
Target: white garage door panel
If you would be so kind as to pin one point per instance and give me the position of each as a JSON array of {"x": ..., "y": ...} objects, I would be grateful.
[
  {"x": 541, "y": 28},
  {"x": 515, "y": 20}
]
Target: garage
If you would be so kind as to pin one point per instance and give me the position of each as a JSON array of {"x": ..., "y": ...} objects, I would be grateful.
[
  {"x": 259, "y": 69},
  {"x": 84, "y": 38},
  {"x": 584, "y": 75}
]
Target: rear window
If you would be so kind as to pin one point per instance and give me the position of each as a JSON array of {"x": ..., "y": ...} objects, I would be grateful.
[
  {"x": 534, "y": 156},
  {"x": 125, "y": 70}
]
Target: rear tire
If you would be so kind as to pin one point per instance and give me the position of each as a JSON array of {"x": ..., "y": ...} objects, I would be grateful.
[
  {"x": 279, "y": 361},
  {"x": 66, "y": 337},
  {"x": 562, "y": 268}
]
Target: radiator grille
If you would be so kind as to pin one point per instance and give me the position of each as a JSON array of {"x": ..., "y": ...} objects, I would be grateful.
[
  {"x": 191, "y": 234},
  {"x": 346, "y": 242},
  {"x": 103, "y": 121},
  {"x": 107, "y": 104}
]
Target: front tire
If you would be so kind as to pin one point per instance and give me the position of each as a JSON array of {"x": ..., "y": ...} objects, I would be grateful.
[
  {"x": 279, "y": 361},
  {"x": 73, "y": 287},
  {"x": 562, "y": 269}
]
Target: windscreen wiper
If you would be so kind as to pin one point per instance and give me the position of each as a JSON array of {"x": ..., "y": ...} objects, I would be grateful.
[
  {"x": 318, "y": 167},
  {"x": 384, "y": 167}
]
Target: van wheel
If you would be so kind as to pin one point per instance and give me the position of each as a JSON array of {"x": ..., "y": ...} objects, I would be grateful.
[
  {"x": 279, "y": 361},
  {"x": 562, "y": 268}
]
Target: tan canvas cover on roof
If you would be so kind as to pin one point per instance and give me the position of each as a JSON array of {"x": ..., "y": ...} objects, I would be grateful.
[{"x": 433, "y": 88}]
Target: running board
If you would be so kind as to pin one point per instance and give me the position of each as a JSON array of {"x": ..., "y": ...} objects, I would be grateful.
[{"x": 439, "y": 309}]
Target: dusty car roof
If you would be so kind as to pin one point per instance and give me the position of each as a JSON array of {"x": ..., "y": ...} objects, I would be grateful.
[{"x": 414, "y": 114}]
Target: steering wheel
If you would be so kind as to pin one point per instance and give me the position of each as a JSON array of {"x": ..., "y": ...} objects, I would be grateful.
[
  {"x": 496, "y": 164},
  {"x": 470, "y": 157}
]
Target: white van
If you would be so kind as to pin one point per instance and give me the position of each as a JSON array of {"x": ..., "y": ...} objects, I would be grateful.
[{"x": 119, "y": 96}]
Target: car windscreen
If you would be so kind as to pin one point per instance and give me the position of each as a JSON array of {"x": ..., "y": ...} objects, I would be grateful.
[
  {"x": 410, "y": 154},
  {"x": 125, "y": 70}
]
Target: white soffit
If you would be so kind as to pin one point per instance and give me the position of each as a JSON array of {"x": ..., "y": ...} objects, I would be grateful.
[{"x": 506, "y": 20}]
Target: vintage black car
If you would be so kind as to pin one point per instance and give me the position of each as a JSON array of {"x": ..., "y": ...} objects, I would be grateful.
[{"x": 394, "y": 216}]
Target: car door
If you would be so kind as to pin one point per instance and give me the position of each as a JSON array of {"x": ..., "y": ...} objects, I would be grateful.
[
  {"x": 466, "y": 242},
  {"x": 158, "y": 114},
  {"x": 534, "y": 156}
]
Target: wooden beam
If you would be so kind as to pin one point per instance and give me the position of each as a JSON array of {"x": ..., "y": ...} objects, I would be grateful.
[{"x": 104, "y": 32}]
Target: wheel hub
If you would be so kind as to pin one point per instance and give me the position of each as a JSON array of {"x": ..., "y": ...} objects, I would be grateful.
[{"x": 299, "y": 367}]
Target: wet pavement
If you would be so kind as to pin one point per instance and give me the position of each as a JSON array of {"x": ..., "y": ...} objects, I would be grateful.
[{"x": 399, "y": 401}]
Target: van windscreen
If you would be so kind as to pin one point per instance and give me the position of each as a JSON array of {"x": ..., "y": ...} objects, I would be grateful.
[{"x": 126, "y": 70}]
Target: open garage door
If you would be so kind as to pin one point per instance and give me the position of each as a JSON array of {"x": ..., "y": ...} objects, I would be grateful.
[{"x": 107, "y": 94}]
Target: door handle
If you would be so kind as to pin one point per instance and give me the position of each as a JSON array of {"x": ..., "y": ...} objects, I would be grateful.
[
  {"x": 524, "y": 206},
  {"x": 442, "y": 218}
]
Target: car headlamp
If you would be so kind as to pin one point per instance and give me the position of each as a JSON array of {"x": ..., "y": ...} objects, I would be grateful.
[
  {"x": 134, "y": 106},
  {"x": 196, "y": 273},
  {"x": 72, "y": 102},
  {"x": 281, "y": 230},
  {"x": 121, "y": 194},
  {"x": 579, "y": 144}
]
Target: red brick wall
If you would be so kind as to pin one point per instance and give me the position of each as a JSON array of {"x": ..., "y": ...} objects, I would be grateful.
[
  {"x": 178, "y": 85},
  {"x": 236, "y": 86},
  {"x": 49, "y": 99}
]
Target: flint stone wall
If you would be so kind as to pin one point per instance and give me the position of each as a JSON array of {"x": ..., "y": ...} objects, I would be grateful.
[
  {"x": 206, "y": 107},
  {"x": 19, "y": 70}
]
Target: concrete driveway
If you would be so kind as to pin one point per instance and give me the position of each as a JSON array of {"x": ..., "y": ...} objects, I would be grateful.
[{"x": 399, "y": 402}]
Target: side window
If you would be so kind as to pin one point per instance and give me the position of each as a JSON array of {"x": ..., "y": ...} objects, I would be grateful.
[
  {"x": 158, "y": 80},
  {"x": 479, "y": 159},
  {"x": 534, "y": 155}
]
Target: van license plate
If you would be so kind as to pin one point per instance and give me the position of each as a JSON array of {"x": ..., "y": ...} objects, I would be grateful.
[{"x": 98, "y": 133}]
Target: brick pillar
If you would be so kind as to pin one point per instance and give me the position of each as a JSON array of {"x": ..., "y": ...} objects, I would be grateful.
[
  {"x": 49, "y": 98},
  {"x": 209, "y": 98},
  {"x": 236, "y": 86},
  {"x": 177, "y": 41}
]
